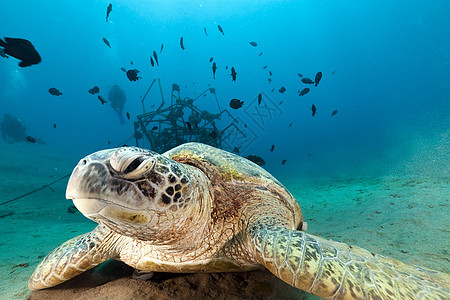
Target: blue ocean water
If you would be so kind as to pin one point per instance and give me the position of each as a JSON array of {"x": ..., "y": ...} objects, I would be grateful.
[
  {"x": 389, "y": 62},
  {"x": 385, "y": 65}
]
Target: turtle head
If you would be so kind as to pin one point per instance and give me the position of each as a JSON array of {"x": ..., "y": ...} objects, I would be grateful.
[{"x": 135, "y": 192}]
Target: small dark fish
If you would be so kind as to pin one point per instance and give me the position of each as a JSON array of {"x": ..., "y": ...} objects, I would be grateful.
[
  {"x": 265, "y": 67},
  {"x": 334, "y": 112},
  {"x": 269, "y": 80},
  {"x": 272, "y": 148},
  {"x": 317, "y": 78},
  {"x": 272, "y": 90},
  {"x": 307, "y": 80},
  {"x": 270, "y": 73},
  {"x": 309, "y": 154},
  {"x": 94, "y": 90},
  {"x": 282, "y": 89},
  {"x": 214, "y": 68},
  {"x": 181, "y": 43},
  {"x": 108, "y": 11},
  {"x": 131, "y": 62},
  {"x": 106, "y": 42},
  {"x": 314, "y": 109},
  {"x": 283, "y": 161},
  {"x": 154, "y": 128},
  {"x": 152, "y": 62},
  {"x": 211, "y": 59},
  {"x": 220, "y": 29},
  {"x": 128, "y": 115},
  {"x": 256, "y": 159},
  {"x": 189, "y": 125},
  {"x": 236, "y": 103},
  {"x": 109, "y": 142},
  {"x": 21, "y": 49},
  {"x": 132, "y": 75},
  {"x": 281, "y": 102},
  {"x": 31, "y": 139},
  {"x": 162, "y": 47},
  {"x": 259, "y": 99},
  {"x": 290, "y": 124},
  {"x": 156, "y": 57},
  {"x": 236, "y": 150},
  {"x": 260, "y": 54},
  {"x": 204, "y": 29},
  {"x": 299, "y": 75},
  {"x": 226, "y": 67},
  {"x": 54, "y": 92},
  {"x": 303, "y": 92},
  {"x": 254, "y": 44},
  {"x": 233, "y": 74},
  {"x": 334, "y": 72},
  {"x": 123, "y": 69},
  {"x": 102, "y": 100},
  {"x": 54, "y": 125}
]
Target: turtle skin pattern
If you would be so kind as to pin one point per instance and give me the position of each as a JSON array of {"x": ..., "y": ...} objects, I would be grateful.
[{"x": 334, "y": 270}]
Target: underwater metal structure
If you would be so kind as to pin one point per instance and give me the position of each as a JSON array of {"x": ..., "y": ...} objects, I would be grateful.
[
  {"x": 183, "y": 121},
  {"x": 167, "y": 127}
]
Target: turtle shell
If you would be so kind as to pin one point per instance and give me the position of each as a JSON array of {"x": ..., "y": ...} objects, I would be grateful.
[{"x": 231, "y": 170}]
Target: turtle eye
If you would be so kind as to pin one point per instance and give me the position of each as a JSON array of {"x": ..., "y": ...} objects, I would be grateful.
[
  {"x": 134, "y": 164},
  {"x": 139, "y": 167}
]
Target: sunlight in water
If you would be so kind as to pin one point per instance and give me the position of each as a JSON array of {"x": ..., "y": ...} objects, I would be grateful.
[{"x": 15, "y": 82}]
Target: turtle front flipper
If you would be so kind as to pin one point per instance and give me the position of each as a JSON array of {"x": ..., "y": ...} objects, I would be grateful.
[
  {"x": 338, "y": 271},
  {"x": 72, "y": 258}
]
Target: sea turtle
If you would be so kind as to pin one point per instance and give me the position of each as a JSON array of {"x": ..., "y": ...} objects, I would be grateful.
[{"x": 196, "y": 208}]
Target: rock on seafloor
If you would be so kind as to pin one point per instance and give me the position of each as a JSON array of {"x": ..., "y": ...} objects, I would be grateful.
[{"x": 113, "y": 280}]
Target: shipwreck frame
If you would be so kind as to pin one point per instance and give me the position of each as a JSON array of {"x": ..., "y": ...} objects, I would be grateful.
[{"x": 183, "y": 121}]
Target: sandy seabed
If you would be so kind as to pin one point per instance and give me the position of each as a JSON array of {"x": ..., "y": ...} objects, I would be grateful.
[{"x": 405, "y": 217}]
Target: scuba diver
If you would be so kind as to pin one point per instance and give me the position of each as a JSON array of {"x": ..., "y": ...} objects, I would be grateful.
[
  {"x": 12, "y": 129},
  {"x": 117, "y": 99}
]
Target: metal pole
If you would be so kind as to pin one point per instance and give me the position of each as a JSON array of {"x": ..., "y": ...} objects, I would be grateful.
[
  {"x": 143, "y": 98},
  {"x": 162, "y": 97}
]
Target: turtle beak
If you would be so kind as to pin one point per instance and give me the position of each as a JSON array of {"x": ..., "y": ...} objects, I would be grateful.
[
  {"x": 88, "y": 169},
  {"x": 89, "y": 207},
  {"x": 102, "y": 197},
  {"x": 76, "y": 189},
  {"x": 93, "y": 186}
]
